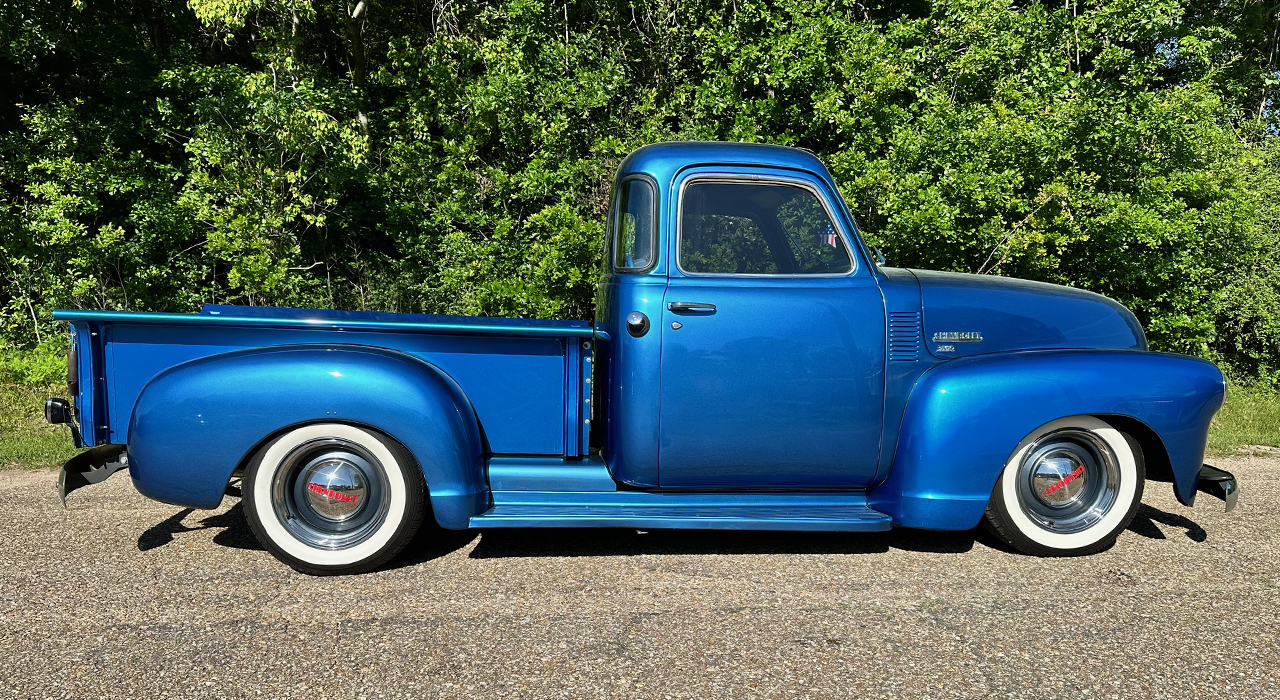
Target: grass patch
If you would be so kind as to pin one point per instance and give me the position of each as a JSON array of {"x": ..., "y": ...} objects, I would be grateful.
[
  {"x": 26, "y": 441},
  {"x": 1251, "y": 416}
]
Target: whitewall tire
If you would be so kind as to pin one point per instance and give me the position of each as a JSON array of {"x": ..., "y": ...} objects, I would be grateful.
[
  {"x": 1071, "y": 487},
  {"x": 332, "y": 498}
]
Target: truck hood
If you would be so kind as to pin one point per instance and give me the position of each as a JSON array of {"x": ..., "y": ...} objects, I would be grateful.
[{"x": 977, "y": 314}]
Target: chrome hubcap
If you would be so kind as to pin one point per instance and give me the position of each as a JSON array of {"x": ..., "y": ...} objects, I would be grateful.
[
  {"x": 336, "y": 488},
  {"x": 1057, "y": 480},
  {"x": 330, "y": 493},
  {"x": 1068, "y": 481}
]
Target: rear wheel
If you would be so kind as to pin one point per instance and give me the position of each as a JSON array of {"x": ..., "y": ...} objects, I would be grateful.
[
  {"x": 1070, "y": 488},
  {"x": 332, "y": 498}
]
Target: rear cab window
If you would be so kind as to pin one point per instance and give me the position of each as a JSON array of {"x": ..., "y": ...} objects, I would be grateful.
[{"x": 634, "y": 235}]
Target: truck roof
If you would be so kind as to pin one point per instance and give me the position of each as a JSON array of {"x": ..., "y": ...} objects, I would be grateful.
[{"x": 664, "y": 160}]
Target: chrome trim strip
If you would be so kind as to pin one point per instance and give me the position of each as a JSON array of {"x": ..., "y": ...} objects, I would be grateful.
[{"x": 135, "y": 317}]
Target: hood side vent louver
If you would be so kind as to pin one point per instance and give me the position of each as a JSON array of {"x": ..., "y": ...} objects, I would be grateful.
[{"x": 904, "y": 336}]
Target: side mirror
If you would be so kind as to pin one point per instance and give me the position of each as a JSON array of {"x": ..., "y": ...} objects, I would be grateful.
[{"x": 879, "y": 255}]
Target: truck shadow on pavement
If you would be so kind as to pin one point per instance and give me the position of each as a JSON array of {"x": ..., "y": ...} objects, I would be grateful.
[
  {"x": 1144, "y": 523},
  {"x": 234, "y": 529},
  {"x": 590, "y": 542},
  {"x": 604, "y": 542},
  {"x": 434, "y": 542}
]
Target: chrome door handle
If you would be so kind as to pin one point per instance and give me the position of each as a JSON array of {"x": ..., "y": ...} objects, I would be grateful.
[{"x": 690, "y": 307}]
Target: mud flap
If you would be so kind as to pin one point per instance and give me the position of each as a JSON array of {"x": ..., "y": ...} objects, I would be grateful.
[{"x": 92, "y": 466}]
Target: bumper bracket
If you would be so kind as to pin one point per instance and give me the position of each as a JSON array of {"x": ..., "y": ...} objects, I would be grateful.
[{"x": 1219, "y": 484}]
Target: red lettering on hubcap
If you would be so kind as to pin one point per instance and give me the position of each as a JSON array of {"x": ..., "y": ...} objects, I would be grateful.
[
  {"x": 330, "y": 493},
  {"x": 1075, "y": 473}
]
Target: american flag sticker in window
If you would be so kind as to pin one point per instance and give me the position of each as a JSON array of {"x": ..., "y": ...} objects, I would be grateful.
[{"x": 830, "y": 236}]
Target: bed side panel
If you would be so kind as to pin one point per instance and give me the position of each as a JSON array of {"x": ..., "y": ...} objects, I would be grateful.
[{"x": 516, "y": 384}]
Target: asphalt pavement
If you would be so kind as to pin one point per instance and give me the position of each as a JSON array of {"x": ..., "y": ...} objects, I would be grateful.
[{"x": 119, "y": 597}]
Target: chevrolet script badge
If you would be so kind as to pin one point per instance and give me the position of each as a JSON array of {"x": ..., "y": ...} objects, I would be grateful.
[{"x": 957, "y": 337}]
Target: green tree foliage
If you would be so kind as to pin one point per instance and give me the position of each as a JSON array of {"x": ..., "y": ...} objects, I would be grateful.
[{"x": 455, "y": 157}]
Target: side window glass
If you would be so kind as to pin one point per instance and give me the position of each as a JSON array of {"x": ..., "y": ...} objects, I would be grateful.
[
  {"x": 724, "y": 243},
  {"x": 814, "y": 242},
  {"x": 634, "y": 226},
  {"x": 758, "y": 229}
]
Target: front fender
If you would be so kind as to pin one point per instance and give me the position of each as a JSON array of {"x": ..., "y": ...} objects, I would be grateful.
[
  {"x": 194, "y": 423},
  {"x": 964, "y": 419}
]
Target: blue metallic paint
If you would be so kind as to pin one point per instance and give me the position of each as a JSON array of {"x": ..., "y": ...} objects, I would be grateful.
[
  {"x": 1014, "y": 314},
  {"x": 507, "y": 473},
  {"x": 783, "y": 385},
  {"x": 965, "y": 418},
  {"x": 902, "y": 300},
  {"x": 87, "y": 411},
  {"x": 871, "y": 402},
  {"x": 196, "y": 422},
  {"x": 520, "y": 385},
  {"x": 631, "y": 385},
  {"x": 834, "y": 512}
]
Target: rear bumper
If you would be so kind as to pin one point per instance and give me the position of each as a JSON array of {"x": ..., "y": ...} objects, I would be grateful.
[
  {"x": 92, "y": 466},
  {"x": 1219, "y": 484}
]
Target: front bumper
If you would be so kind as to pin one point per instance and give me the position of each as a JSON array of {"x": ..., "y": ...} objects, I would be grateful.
[{"x": 1219, "y": 484}]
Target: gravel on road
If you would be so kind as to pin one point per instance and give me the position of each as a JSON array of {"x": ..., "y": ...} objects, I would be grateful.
[{"x": 118, "y": 596}]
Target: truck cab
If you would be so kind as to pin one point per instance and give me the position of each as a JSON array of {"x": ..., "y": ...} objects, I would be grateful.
[
  {"x": 752, "y": 365},
  {"x": 750, "y": 329}
]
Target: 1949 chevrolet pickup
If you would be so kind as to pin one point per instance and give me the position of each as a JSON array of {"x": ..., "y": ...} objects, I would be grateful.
[{"x": 752, "y": 365}]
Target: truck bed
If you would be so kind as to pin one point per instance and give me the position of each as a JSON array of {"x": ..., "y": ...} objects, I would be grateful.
[{"x": 527, "y": 379}]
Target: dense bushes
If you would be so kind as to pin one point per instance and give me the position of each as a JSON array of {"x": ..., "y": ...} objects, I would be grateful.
[{"x": 455, "y": 157}]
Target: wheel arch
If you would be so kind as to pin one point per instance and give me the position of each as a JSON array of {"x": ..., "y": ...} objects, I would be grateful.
[
  {"x": 965, "y": 418},
  {"x": 1155, "y": 455},
  {"x": 247, "y": 458},
  {"x": 196, "y": 423}
]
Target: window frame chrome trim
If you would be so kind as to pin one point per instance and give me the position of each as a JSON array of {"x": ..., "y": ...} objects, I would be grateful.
[{"x": 745, "y": 178}]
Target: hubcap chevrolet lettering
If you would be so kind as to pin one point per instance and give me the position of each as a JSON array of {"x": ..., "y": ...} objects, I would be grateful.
[
  {"x": 1065, "y": 480},
  {"x": 333, "y": 495},
  {"x": 1068, "y": 480},
  {"x": 1058, "y": 479},
  {"x": 335, "y": 489}
]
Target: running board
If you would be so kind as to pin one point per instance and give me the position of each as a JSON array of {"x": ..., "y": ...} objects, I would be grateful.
[{"x": 695, "y": 511}]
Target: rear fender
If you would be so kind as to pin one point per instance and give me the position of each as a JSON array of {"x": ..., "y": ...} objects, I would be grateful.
[
  {"x": 965, "y": 418},
  {"x": 196, "y": 422}
]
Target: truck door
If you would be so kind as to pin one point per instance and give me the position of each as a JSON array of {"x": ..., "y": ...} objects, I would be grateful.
[{"x": 773, "y": 340}]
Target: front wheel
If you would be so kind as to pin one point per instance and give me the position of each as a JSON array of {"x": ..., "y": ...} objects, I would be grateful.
[
  {"x": 332, "y": 498},
  {"x": 1070, "y": 488}
]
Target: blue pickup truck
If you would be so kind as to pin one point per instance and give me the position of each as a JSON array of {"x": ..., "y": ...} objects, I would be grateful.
[{"x": 753, "y": 365}]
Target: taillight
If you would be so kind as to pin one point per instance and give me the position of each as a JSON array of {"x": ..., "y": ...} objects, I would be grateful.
[{"x": 73, "y": 368}]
